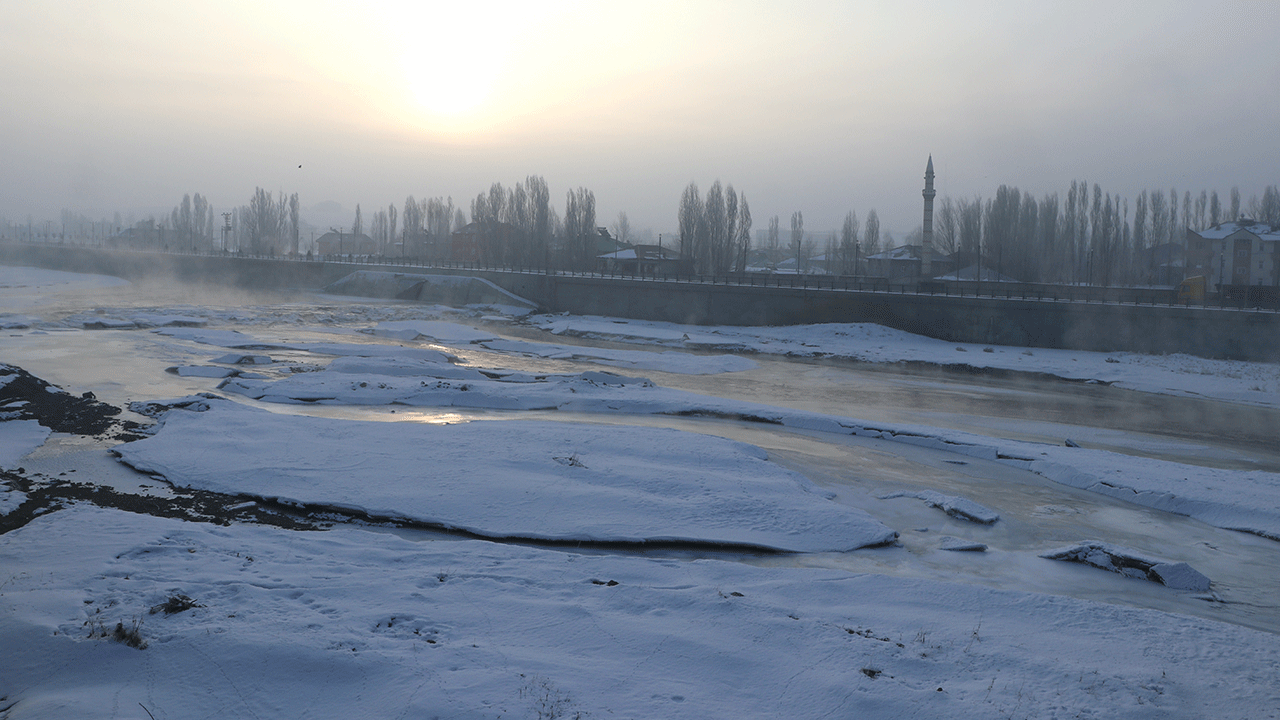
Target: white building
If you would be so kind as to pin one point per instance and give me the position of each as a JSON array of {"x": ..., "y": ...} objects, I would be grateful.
[{"x": 1244, "y": 252}]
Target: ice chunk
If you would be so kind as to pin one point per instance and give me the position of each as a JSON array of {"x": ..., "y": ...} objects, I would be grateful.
[
  {"x": 959, "y": 545},
  {"x": 952, "y": 505},
  {"x": 242, "y": 359},
  {"x": 1131, "y": 563},
  {"x": 1180, "y": 576},
  {"x": 201, "y": 371},
  {"x": 166, "y": 320}
]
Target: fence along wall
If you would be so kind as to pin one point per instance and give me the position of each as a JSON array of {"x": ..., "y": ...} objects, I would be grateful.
[{"x": 1106, "y": 327}]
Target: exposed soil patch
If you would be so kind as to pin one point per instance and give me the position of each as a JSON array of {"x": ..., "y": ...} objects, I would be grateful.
[
  {"x": 24, "y": 396},
  {"x": 51, "y": 494}
]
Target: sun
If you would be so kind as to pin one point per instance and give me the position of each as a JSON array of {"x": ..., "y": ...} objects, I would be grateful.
[{"x": 452, "y": 82}]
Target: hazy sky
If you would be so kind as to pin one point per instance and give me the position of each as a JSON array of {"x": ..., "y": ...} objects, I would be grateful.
[{"x": 821, "y": 107}]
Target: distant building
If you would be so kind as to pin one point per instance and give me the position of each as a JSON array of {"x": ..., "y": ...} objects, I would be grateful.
[
  {"x": 1243, "y": 252},
  {"x": 641, "y": 260},
  {"x": 340, "y": 243},
  {"x": 1166, "y": 263},
  {"x": 905, "y": 262}
]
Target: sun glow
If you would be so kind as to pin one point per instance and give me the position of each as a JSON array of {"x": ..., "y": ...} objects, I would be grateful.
[{"x": 452, "y": 82}]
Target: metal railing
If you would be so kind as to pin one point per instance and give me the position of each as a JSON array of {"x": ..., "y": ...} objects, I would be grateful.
[{"x": 1042, "y": 292}]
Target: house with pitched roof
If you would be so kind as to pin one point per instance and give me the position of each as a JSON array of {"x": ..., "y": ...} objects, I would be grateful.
[{"x": 1243, "y": 252}]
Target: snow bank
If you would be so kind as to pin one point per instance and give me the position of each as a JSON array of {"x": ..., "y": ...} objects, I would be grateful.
[
  {"x": 1232, "y": 499},
  {"x": 349, "y": 623},
  {"x": 1235, "y": 381},
  {"x": 540, "y": 480},
  {"x": 16, "y": 279},
  {"x": 19, "y": 437},
  {"x": 446, "y": 333},
  {"x": 13, "y": 321}
]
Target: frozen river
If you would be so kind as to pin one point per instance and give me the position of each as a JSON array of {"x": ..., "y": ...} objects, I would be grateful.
[
  {"x": 120, "y": 366},
  {"x": 310, "y": 339}
]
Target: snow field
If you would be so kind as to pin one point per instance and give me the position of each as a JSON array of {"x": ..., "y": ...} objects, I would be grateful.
[{"x": 350, "y": 623}]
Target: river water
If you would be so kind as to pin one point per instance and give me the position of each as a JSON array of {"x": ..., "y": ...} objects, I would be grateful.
[{"x": 1036, "y": 514}]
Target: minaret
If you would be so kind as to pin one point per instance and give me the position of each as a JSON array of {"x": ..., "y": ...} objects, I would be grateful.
[{"x": 926, "y": 251}]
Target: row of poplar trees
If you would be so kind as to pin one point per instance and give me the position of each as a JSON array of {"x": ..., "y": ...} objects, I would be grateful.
[{"x": 1091, "y": 237}]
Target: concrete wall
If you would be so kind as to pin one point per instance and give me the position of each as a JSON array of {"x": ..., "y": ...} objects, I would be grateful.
[{"x": 1207, "y": 332}]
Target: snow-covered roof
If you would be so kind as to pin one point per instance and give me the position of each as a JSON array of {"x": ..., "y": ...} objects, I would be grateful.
[
  {"x": 902, "y": 252},
  {"x": 642, "y": 252},
  {"x": 1227, "y": 229}
]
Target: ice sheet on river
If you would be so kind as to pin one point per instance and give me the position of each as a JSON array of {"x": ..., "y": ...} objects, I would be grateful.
[
  {"x": 952, "y": 505},
  {"x": 543, "y": 480},
  {"x": 667, "y": 361},
  {"x": 1232, "y": 499}
]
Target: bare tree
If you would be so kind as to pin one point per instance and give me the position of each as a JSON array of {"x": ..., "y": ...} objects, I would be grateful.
[
  {"x": 871, "y": 235},
  {"x": 412, "y": 233},
  {"x": 946, "y": 227},
  {"x": 1234, "y": 214},
  {"x": 1159, "y": 218},
  {"x": 848, "y": 247},
  {"x": 622, "y": 228},
  {"x": 1269, "y": 211},
  {"x": 715, "y": 223},
  {"x": 540, "y": 218},
  {"x": 690, "y": 221},
  {"x": 295, "y": 219},
  {"x": 1049, "y": 245},
  {"x": 378, "y": 230},
  {"x": 727, "y": 254},
  {"x": 580, "y": 227},
  {"x": 263, "y": 223},
  {"x": 391, "y": 227},
  {"x": 1140, "y": 229},
  {"x": 772, "y": 240},
  {"x": 744, "y": 232},
  {"x": 797, "y": 238}
]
